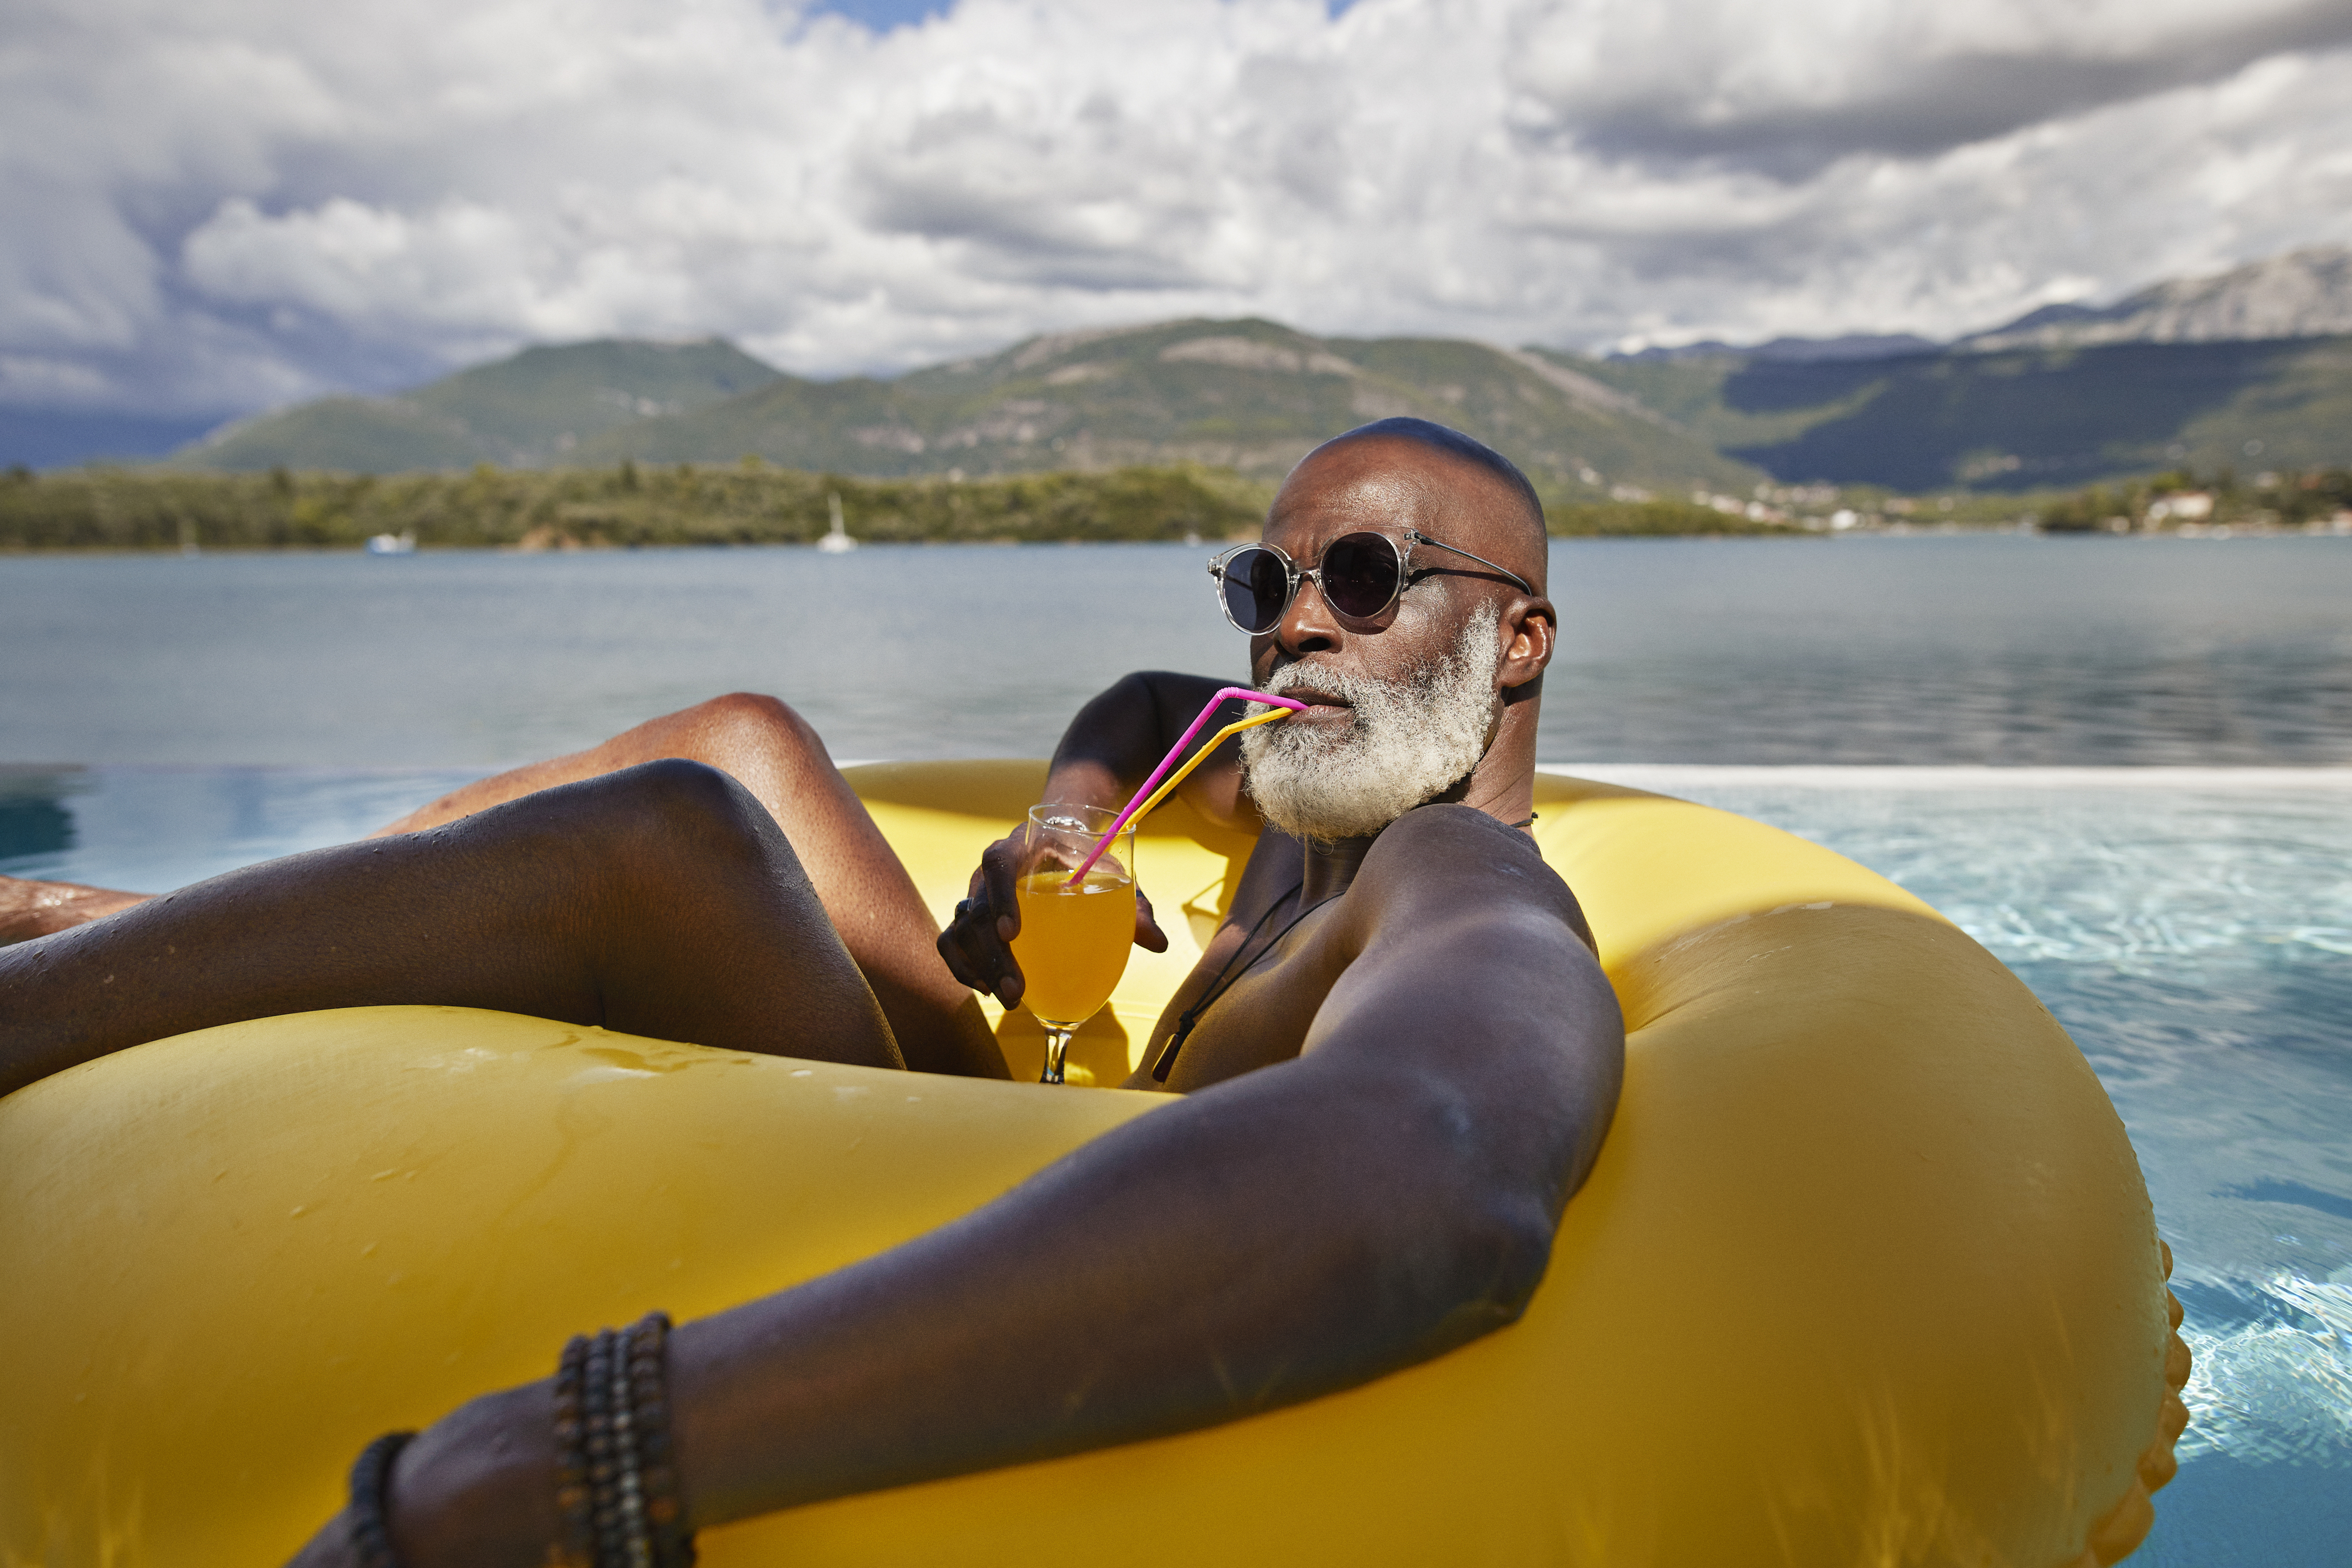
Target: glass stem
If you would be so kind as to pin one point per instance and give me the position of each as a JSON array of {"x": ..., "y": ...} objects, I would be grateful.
[{"x": 1058, "y": 1049}]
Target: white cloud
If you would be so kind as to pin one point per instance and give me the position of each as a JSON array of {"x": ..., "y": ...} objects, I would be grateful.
[{"x": 219, "y": 204}]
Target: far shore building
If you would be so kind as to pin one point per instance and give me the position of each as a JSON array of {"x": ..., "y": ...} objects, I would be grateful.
[{"x": 2186, "y": 507}]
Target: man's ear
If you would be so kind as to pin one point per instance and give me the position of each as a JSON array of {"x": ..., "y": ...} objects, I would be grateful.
[{"x": 1527, "y": 629}]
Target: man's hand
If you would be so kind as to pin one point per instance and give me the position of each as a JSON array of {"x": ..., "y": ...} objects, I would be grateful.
[
  {"x": 978, "y": 942},
  {"x": 1102, "y": 760},
  {"x": 330, "y": 1548},
  {"x": 475, "y": 1490}
]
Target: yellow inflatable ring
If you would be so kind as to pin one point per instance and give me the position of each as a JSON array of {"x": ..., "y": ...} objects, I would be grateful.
[{"x": 1866, "y": 1275}]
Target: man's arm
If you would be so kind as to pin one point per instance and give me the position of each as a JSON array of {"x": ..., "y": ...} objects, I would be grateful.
[
  {"x": 1390, "y": 1195},
  {"x": 1113, "y": 742},
  {"x": 1109, "y": 750}
]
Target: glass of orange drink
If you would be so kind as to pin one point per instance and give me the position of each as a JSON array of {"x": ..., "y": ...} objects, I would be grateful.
[{"x": 1074, "y": 938}]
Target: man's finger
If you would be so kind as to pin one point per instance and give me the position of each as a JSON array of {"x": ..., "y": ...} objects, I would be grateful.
[
  {"x": 996, "y": 868},
  {"x": 976, "y": 956},
  {"x": 952, "y": 948},
  {"x": 1148, "y": 934},
  {"x": 1005, "y": 983}
]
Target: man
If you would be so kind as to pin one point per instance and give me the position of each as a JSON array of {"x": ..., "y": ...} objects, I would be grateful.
[{"x": 1399, "y": 1051}]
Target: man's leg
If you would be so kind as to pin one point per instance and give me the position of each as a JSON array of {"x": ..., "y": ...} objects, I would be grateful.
[
  {"x": 772, "y": 751},
  {"x": 662, "y": 900}
]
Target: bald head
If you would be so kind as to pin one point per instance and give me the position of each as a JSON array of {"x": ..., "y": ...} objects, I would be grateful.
[{"x": 1469, "y": 485}]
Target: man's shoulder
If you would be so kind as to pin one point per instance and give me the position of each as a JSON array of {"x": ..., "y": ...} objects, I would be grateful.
[
  {"x": 1451, "y": 826},
  {"x": 1453, "y": 884},
  {"x": 1440, "y": 855}
]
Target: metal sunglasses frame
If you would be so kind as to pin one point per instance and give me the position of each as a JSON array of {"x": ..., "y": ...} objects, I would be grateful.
[{"x": 1413, "y": 538}]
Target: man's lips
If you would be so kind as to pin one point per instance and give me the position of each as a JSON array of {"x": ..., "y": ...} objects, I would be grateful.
[{"x": 1321, "y": 707}]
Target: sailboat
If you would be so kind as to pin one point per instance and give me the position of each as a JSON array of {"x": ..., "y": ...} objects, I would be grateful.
[{"x": 838, "y": 541}]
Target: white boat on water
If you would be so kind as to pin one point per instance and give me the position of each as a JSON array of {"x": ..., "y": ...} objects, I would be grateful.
[
  {"x": 393, "y": 543},
  {"x": 837, "y": 541}
]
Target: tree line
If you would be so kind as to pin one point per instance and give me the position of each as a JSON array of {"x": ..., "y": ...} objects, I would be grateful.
[
  {"x": 750, "y": 502},
  {"x": 2291, "y": 500}
]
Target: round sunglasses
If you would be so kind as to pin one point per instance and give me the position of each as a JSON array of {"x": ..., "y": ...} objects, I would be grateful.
[{"x": 1361, "y": 575}]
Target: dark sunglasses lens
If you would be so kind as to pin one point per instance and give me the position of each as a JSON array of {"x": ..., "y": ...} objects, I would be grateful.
[
  {"x": 1359, "y": 574},
  {"x": 1256, "y": 589}
]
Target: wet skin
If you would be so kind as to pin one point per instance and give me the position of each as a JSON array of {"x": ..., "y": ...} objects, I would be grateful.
[{"x": 1385, "y": 1119}]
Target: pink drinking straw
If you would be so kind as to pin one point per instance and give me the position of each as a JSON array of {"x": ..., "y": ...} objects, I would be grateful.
[{"x": 1143, "y": 797}]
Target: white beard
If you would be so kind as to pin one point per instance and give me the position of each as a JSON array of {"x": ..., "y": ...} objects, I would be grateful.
[{"x": 1410, "y": 739}]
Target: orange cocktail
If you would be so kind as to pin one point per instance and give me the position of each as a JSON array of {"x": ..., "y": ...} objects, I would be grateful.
[
  {"x": 1074, "y": 941},
  {"x": 1072, "y": 947}
]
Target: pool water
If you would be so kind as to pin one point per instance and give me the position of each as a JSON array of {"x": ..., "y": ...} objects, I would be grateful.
[{"x": 2193, "y": 928}]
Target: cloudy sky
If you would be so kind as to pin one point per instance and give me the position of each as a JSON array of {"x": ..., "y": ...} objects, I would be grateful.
[{"x": 217, "y": 205}]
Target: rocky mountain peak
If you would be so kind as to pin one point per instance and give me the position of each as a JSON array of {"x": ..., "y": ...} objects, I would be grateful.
[{"x": 2302, "y": 294}]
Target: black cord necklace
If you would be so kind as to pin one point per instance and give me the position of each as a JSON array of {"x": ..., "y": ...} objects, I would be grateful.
[{"x": 1220, "y": 986}]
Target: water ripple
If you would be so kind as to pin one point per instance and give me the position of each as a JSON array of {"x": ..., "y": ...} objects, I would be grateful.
[{"x": 2271, "y": 1382}]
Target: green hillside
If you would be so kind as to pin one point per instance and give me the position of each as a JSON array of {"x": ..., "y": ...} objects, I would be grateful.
[
  {"x": 1251, "y": 396},
  {"x": 529, "y": 410},
  {"x": 2015, "y": 420},
  {"x": 748, "y": 502},
  {"x": 341, "y": 434},
  {"x": 574, "y": 507}
]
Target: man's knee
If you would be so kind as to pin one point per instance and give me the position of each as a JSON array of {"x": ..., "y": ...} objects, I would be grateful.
[
  {"x": 682, "y": 799},
  {"x": 655, "y": 819},
  {"x": 749, "y": 719}
]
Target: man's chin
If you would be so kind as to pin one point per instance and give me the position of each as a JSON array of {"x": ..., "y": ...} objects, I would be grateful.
[{"x": 1309, "y": 808}]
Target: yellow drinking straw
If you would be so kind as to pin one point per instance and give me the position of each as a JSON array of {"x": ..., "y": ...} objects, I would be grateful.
[
  {"x": 1142, "y": 802},
  {"x": 1201, "y": 756}
]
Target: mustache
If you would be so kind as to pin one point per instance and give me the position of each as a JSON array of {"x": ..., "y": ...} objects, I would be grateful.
[{"x": 1325, "y": 681}]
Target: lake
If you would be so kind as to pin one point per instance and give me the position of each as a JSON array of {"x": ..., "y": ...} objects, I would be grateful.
[
  {"x": 1972, "y": 649},
  {"x": 2118, "y": 763}
]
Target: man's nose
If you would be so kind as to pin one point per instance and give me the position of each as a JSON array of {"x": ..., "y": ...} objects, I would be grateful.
[{"x": 1306, "y": 622}]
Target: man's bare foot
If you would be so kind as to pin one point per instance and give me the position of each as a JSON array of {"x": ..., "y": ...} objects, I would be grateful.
[{"x": 30, "y": 909}]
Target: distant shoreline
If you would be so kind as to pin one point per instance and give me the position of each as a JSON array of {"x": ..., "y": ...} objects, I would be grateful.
[{"x": 164, "y": 511}]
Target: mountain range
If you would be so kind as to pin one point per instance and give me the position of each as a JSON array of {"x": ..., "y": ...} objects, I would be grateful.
[
  {"x": 2302, "y": 294},
  {"x": 2019, "y": 419},
  {"x": 2252, "y": 368},
  {"x": 1249, "y": 395},
  {"x": 529, "y": 411}
]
